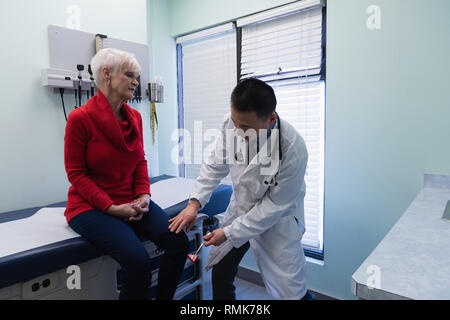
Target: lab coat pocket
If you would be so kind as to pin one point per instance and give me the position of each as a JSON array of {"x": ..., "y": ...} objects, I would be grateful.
[
  {"x": 255, "y": 184},
  {"x": 292, "y": 251},
  {"x": 260, "y": 189}
]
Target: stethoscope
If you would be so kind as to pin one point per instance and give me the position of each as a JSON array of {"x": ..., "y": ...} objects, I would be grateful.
[{"x": 239, "y": 156}]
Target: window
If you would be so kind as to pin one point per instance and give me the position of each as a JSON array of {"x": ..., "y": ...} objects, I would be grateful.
[
  {"x": 208, "y": 76},
  {"x": 287, "y": 53},
  {"x": 285, "y": 48}
]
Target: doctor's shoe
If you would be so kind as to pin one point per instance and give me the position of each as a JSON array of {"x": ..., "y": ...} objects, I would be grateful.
[{"x": 309, "y": 296}]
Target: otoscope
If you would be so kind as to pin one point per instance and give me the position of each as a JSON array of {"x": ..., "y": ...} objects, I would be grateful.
[
  {"x": 80, "y": 68},
  {"x": 92, "y": 80},
  {"x": 139, "y": 93}
]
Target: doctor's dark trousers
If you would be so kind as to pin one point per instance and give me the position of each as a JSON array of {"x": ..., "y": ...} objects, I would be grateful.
[
  {"x": 120, "y": 240},
  {"x": 224, "y": 273}
]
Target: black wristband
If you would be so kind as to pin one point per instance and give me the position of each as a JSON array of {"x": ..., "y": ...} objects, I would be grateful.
[{"x": 196, "y": 200}]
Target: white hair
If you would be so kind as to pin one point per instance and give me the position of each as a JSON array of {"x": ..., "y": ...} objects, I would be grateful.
[{"x": 115, "y": 60}]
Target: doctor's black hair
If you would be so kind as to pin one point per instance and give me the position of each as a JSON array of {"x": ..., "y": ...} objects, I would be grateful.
[{"x": 254, "y": 95}]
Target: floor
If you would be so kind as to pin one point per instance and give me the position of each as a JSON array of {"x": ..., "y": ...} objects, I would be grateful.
[
  {"x": 244, "y": 291},
  {"x": 249, "y": 291}
]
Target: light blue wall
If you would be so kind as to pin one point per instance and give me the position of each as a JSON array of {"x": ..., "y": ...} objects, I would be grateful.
[
  {"x": 386, "y": 105},
  {"x": 32, "y": 121},
  {"x": 387, "y": 117},
  {"x": 163, "y": 61}
]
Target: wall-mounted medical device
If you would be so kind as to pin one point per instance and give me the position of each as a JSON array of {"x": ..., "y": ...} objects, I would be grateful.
[
  {"x": 156, "y": 92},
  {"x": 70, "y": 54},
  {"x": 67, "y": 79},
  {"x": 100, "y": 42}
]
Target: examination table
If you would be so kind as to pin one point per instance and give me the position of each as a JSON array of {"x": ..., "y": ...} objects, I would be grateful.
[{"x": 38, "y": 247}]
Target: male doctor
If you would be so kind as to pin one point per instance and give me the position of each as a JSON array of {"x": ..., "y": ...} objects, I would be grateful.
[{"x": 267, "y": 166}]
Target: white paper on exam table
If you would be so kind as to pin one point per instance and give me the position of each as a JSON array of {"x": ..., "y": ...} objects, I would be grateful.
[
  {"x": 167, "y": 193},
  {"x": 48, "y": 225}
]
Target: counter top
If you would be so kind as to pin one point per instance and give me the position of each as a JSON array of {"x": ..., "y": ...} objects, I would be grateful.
[{"x": 413, "y": 259}]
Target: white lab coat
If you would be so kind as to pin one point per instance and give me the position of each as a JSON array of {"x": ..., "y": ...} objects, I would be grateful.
[{"x": 270, "y": 217}]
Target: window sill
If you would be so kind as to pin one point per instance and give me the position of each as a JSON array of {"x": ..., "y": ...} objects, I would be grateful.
[{"x": 315, "y": 261}]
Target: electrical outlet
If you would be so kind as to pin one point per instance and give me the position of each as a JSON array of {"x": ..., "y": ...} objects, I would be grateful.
[{"x": 38, "y": 286}]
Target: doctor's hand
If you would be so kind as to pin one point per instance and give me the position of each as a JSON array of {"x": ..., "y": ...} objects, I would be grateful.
[
  {"x": 216, "y": 238},
  {"x": 186, "y": 217}
]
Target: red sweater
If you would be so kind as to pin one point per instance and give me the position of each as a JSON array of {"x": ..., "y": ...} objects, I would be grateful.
[{"x": 104, "y": 157}]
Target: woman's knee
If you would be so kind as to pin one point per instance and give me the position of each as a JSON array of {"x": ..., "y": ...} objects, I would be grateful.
[{"x": 173, "y": 243}]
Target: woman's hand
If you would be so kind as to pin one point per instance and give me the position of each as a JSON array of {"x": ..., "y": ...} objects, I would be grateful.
[
  {"x": 141, "y": 205},
  {"x": 124, "y": 211}
]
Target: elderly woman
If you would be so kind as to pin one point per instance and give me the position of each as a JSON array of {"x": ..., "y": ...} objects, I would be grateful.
[{"x": 109, "y": 199}]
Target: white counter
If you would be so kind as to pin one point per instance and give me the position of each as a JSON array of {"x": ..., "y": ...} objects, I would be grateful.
[{"x": 413, "y": 259}]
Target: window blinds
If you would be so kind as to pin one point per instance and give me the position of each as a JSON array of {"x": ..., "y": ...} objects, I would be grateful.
[
  {"x": 287, "y": 52},
  {"x": 286, "y": 47},
  {"x": 302, "y": 105},
  {"x": 209, "y": 76}
]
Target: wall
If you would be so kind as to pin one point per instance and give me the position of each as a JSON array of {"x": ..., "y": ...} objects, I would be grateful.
[
  {"x": 385, "y": 127},
  {"x": 32, "y": 120},
  {"x": 163, "y": 61},
  {"x": 386, "y": 118}
]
